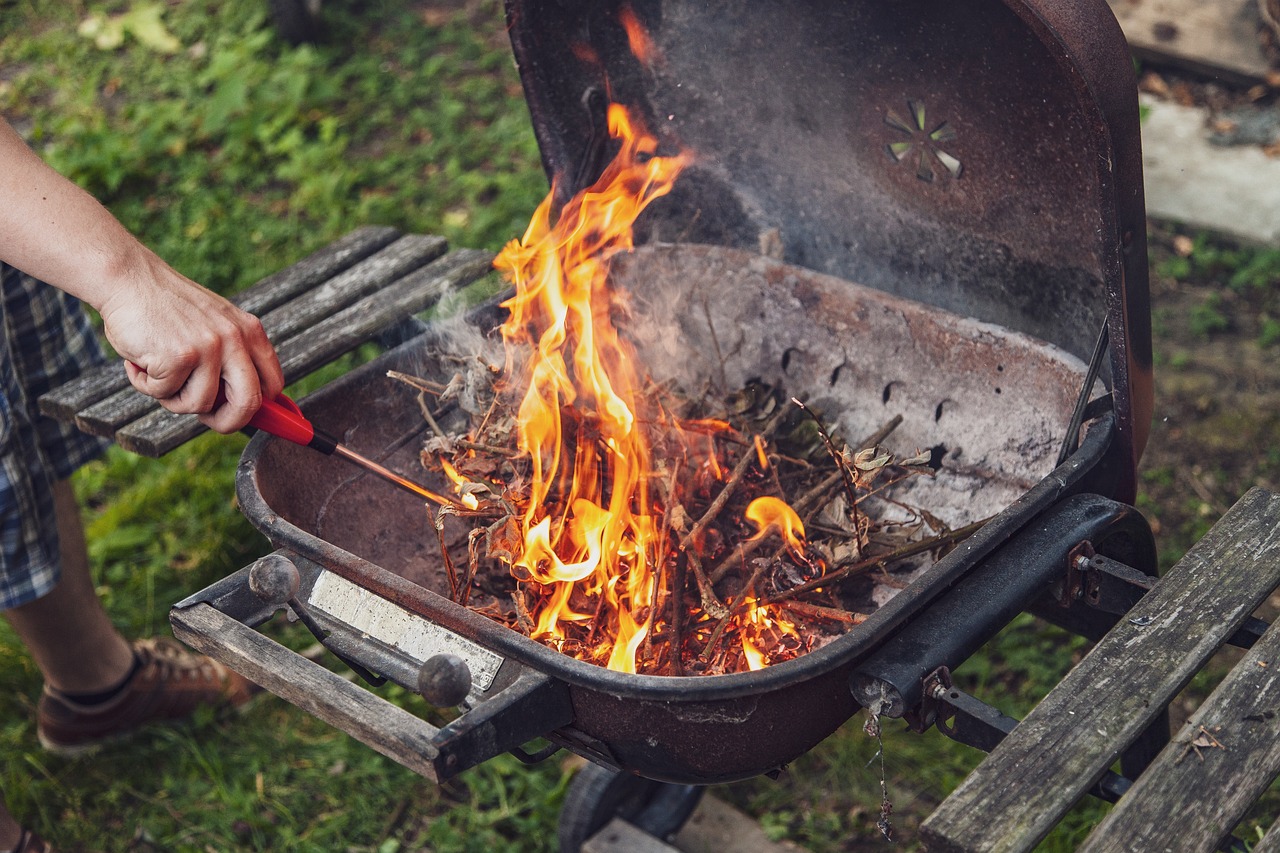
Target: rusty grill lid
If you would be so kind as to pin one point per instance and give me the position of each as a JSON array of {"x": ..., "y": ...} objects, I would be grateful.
[{"x": 982, "y": 157}]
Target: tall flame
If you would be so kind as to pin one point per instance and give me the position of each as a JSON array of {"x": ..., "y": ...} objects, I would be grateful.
[{"x": 589, "y": 521}]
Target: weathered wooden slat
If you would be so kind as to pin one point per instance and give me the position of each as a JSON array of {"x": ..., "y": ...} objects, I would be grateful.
[
  {"x": 1012, "y": 800},
  {"x": 414, "y": 293},
  {"x": 1219, "y": 37},
  {"x": 68, "y": 400},
  {"x": 365, "y": 716},
  {"x": 1202, "y": 783},
  {"x": 401, "y": 257},
  {"x": 158, "y": 432}
]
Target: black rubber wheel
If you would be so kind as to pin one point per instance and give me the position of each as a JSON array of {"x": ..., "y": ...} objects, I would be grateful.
[
  {"x": 598, "y": 794},
  {"x": 297, "y": 21}
]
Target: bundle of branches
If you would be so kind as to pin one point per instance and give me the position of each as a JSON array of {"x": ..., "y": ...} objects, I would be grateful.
[{"x": 729, "y": 591}]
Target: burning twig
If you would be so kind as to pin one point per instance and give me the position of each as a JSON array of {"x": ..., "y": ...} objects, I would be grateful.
[
  {"x": 910, "y": 550},
  {"x": 730, "y": 486}
]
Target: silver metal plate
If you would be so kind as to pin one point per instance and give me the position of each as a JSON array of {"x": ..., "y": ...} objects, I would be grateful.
[{"x": 409, "y": 633}]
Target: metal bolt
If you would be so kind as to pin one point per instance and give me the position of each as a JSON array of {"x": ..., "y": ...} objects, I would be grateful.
[
  {"x": 274, "y": 579},
  {"x": 444, "y": 680}
]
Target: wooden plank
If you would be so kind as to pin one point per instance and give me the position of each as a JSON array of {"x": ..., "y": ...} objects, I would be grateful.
[
  {"x": 368, "y": 718},
  {"x": 1200, "y": 786},
  {"x": 1012, "y": 800},
  {"x": 157, "y": 433},
  {"x": 1215, "y": 36},
  {"x": 68, "y": 400},
  {"x": 406, "y": 254}
]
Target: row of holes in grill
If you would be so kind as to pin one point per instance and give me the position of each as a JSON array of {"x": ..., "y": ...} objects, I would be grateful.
[
  {"x": 938, "y": 451},
  {"x": 887, "y": 394}
]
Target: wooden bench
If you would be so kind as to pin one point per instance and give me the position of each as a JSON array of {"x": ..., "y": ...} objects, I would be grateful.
[
  {"x": 1198, "y": 788},
  {"x": 320, "y": 308}
]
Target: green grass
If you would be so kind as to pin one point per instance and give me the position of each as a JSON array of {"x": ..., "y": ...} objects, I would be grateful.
[{"x": 234, "y": 155}]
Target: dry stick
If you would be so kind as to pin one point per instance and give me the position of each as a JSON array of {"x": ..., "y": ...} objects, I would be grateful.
[
  {"x": 745, "y": 549},
  {"x": 710, "y": 601},
  {"x": 820, "y": 612},
  {"x": 676, "y": 598},
  {"x": 437, "y": 521},
  {"x": 849, "y": 479},
  {"x": 427, "y": 416},
  {"x": 417, "y": 382},
  {"x": 818, "y": 491},
  {"x": 677, "y": 623},
  {"x": 715, "y": 343},
  {"x": 909, "y": 550},
  {"x": 882, "y": 433},
  {"x": 473, "y": 563}
]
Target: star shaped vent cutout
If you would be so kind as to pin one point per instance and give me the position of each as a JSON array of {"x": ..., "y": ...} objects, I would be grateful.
[{"x": 920, "y": 145}]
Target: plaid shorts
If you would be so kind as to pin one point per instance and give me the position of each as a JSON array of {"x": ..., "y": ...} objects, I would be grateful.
[{"x": 47, "y": 340}]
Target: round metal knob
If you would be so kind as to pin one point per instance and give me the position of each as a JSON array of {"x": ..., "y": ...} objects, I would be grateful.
[
  {"x": 274, "y": 579},
  {"x": 444, "y": 680}
]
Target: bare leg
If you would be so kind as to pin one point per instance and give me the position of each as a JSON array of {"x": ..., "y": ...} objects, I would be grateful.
[{"x": 67, "y": 632}]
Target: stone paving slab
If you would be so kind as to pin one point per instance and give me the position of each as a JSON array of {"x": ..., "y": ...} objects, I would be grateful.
[
  {"x": 1232, "y": 190},
  {"x": 714, "y": 827}
]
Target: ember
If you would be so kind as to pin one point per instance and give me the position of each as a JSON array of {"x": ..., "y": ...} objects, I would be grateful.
[{"x": 646, "y": 529}]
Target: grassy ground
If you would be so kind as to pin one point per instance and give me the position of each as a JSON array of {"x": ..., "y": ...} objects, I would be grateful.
[{"x": 233, "y": 155}]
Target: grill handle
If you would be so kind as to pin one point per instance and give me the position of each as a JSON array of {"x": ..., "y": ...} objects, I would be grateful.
[
  {"x": 220, "y": 621},
  {"x": 365, "y": 716}
]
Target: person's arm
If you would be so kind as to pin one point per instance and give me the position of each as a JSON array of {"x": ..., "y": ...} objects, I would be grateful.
[{"x": 181, "y": 343}]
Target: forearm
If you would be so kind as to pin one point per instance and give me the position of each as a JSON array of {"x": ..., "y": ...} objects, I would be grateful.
[
  {"x": 185, "y": 345},
  {"x": 55, "y": 231}
]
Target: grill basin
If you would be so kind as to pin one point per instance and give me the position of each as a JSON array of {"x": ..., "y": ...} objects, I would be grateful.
[
  {"x": 974, "y": 167},
  {"x": 954, "y": 379}
]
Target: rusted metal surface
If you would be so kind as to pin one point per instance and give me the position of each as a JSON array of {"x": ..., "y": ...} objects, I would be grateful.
[{"x": 981, "y": 157}]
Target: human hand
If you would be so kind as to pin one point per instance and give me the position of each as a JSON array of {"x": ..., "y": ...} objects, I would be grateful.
[{"x": 184, "y": 344}]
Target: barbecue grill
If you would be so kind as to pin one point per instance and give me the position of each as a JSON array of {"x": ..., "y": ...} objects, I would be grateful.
[{"x": 925, "y": 208}]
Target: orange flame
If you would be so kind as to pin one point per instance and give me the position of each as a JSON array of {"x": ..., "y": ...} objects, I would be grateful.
[
  {"x": 768, "y": 513},
  {"x": 589, "y": 519},
  {"x": 760, "y": 620},
  {"x": 641, "y": 45},
  {"x": 592, "y": 545},
  {"x": 459, "y": 482}
]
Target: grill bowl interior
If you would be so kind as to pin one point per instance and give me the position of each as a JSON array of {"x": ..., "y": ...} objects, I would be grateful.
[{"x": 999, "y": 401}]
